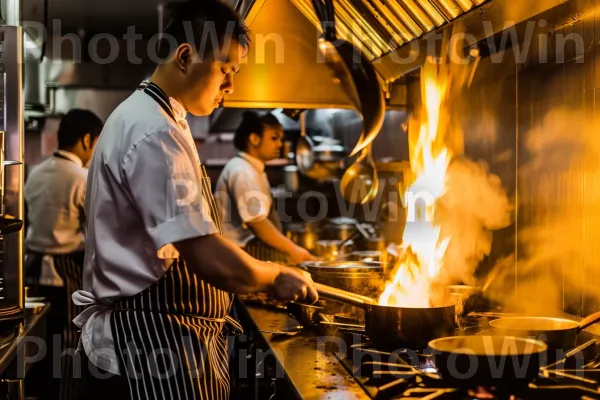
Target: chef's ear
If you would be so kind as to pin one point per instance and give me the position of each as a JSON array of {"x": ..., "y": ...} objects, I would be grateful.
[
  {"x": 87, "y": 141},
  {"x": 183, "y": 56},
  {"x": 255, "y": 139}
]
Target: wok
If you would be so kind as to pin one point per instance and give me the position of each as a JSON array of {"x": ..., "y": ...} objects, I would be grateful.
[
  {"x": 558, "y": 333},
  {"x": 488, "y": 360},
  {"x": 391, "y": 327},
  {"x": 355, "y": 72}
]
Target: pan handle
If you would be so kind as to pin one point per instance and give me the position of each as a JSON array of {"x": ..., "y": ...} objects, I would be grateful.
[
  {"x": 589, "y": 320},
  {"x": 329, "y": 30},
  {"x": 356, "y": 300},
  {"x": 319, "y": 8}
]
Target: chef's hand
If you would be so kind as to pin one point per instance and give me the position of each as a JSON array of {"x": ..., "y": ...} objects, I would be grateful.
[
  {"x": 300, "y": 255},
  {"x": 295, "y": 285}
]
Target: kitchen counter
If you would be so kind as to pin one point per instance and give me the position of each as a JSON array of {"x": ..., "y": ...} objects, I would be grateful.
[
  {"x": 304, "y": 368},
  {"x": 23, "y": 343}
]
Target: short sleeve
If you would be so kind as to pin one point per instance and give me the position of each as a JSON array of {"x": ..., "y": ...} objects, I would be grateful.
[
  {"x": 253, "y": 205},
  {"x": 167, "y": 188}
]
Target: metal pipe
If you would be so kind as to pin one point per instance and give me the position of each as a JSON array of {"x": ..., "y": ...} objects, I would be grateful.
[{"x": 13, "y": 12}]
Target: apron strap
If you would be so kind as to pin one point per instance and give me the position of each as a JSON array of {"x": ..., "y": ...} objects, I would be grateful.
[
  {"x": 234, "y": 327},
  {"x": 158, "y": 95}
]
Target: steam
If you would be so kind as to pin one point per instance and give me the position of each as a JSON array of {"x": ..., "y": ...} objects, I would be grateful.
[
  {"x": 473, "y": 206},
  {"x": 561, "y": 187},
  {"x": 558, "y": 221}
]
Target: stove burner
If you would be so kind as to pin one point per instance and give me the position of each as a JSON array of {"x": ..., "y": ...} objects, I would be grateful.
[{"x": 411, "y": 374}]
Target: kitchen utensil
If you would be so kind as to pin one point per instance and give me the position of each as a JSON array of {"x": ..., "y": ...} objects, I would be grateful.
[
  {"x": 558, "y": 333},
  {"x": 291, "y": 331},
  {"x": 487, "y": 360},
  {"x": 363, "y": 278},
  {"x": 321, "y": 162},
  {"x": 304, "y": 148},
  {"x": 291, "y": 178},
  {"x": 366, "y": 256},
  {"x": 332, "y": 250},
  {"x": 355, "y": 72},
  {"x": 328, "y": 250},
  {"x": 391, "y": 327},
  {"x": 303, "y": 313},
  {"x": 303, "y": 234},
  {"x": 360, "y": 183},
  {"x": 340, "y": 228}
]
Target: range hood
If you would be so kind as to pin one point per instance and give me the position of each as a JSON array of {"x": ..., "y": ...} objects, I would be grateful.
[
  {"x": 394, "y": 34},
  {"x": 283, "y": 68}
]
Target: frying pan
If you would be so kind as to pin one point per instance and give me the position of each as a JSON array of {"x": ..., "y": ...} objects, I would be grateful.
[
  {"x": 391, "y": 327},
  {"x": 488, "y": 360},
  {"x": 355, "y": 73},
  {"x": 558, "y": 333}
]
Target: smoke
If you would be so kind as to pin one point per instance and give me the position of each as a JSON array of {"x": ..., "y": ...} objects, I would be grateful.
[
  {"x": 473, "y": 206},
  {"x": 558, "y": 220}
]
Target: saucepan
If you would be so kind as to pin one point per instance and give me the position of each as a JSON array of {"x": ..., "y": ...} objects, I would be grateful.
[
  {"x": 488, "y": 360},
  {"x": 558, "y": 333},
  {"x": 392, "y": 327}
]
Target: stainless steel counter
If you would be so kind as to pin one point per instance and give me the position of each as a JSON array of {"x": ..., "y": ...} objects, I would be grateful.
[{"x": 305, "y": 367}]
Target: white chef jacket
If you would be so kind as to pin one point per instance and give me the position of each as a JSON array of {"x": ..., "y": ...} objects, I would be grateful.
[
  {"x": 55, "y": 196},
  {"x": 144, "y": 193},
  {"x": 243, "y": 195}
]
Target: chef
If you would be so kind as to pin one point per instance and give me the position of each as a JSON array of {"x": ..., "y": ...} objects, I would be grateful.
[
  {"x": 55, "y": 241},
  {"x": 158, "y": 275},
  {"x": 244, "y": 196}
]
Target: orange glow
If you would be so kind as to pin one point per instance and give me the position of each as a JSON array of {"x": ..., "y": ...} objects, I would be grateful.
[{"x": 423, "y": 248}]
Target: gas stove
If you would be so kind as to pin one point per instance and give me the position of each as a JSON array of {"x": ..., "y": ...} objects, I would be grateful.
[{"x": 411, "y": 373}]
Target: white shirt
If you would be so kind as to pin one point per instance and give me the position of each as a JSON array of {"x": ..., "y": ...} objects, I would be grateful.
[
  {"x": 55, "y": 196},
  {"x": 144, "y": 191},
  {"x": 243, "y": 195}
]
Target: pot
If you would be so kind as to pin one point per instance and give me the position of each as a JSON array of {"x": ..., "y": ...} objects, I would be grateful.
[
  {"x": 362, "y": 278},
  {"x": 488, "y": 360},
  {"x": 558, "y": 333},
  {"x": 304, "y": 235},
  {"x": 340, "y": 228},
  {"x": 291, "y": 178},
  {"x": 332, "y": 250},
  {"x": 392, "y": 327}
]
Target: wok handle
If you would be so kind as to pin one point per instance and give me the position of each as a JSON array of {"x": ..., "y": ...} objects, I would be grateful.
[
  {"x": 352, "y": 299},
  {"x": 589, "y": 320}
]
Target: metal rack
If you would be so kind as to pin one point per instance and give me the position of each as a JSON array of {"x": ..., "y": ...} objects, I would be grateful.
[{"x": 12, "y": 171}]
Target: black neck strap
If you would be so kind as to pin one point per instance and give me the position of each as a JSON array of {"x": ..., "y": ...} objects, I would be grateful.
[
  {"x": 58, "y": 155},
  {"x": 158, "y": 95}
]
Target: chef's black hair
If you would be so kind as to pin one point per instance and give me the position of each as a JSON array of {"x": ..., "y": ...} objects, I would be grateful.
[
  {"x": 75, "y": 125},
  {"x": 252, "y": 123},
  {"x": 199, "y": 22}
]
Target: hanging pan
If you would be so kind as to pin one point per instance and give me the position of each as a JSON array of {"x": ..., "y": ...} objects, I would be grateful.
[{"x": 355, "y": 73}]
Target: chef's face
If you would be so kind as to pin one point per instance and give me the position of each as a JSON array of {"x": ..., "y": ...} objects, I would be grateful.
[
  {"x": 208, "y": 81},
  {"x": 268, "y": 146}
]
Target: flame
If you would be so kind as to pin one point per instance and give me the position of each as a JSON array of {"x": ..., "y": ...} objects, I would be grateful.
[{"x": 423, "y": 249}]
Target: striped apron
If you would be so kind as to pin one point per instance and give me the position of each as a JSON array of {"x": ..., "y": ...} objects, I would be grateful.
[
  {"x": 262, "y": 251},
  {"x": 259, "y": 249},
  {"x": 170, "y": 338},
  {"x": 69, "y": 268}
]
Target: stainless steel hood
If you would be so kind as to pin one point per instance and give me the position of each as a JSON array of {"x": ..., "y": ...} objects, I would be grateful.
[
  {"x": 379, "y": 27},
  {"x": 282, "y": 68},
  {"x": 278, "y": 73}
]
